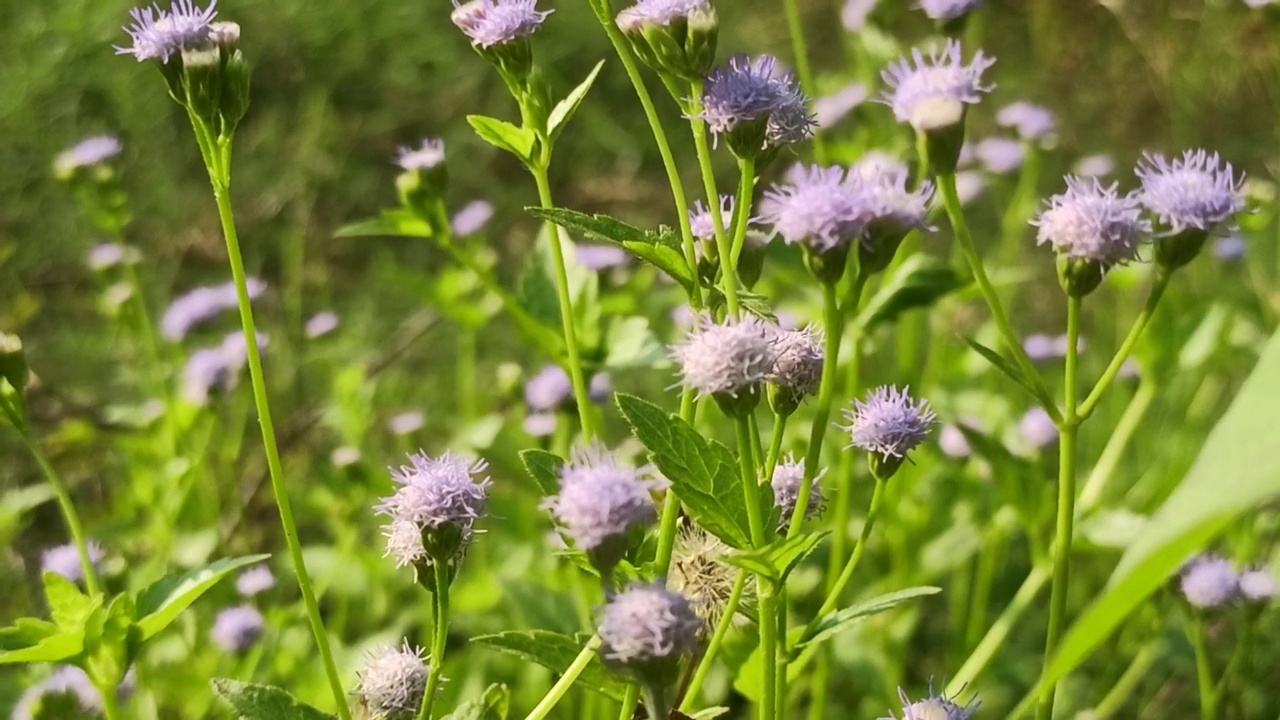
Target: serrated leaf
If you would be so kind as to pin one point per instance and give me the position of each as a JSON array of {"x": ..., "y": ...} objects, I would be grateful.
[
  {"x": 544, "y": 467},
  {"x": 656, "y": 248},
  {"x": 1010, "y": 370},
  {"x": 564, "y": 110},
  {"x": 555, "y": 652},
  {"x": 31, "y": 640},
  {"x": 492, "y": 705},
  {"x": 504, "y": 136},
  {"x": 162, "y": 601},
  {"x": 841, "y": 619},
  {"x": 918, "y": 283},
  {"x": 703, "y": 473},
  {"x": 391, "y": 223},
  {"x": 264, "y": 702},
  {"x": 777, "y": 559},
  {"x": 68, "y": 606}
]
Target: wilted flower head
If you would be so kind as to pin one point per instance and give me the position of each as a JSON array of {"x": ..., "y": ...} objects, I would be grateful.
[
  {"x": 549, "y": 389},
  {"x": 438, "y": 491},
  {"x": 798, "y": 358},
  {"x": 647, "y": 623},
  {"x": 1196, "y": 191},
  {"x": 602, "y": 498},
  {"x": 658, "y": 12},
  {"x": 321, "y": 324},
  {"x": 406, "y": 422},
  {"x": 948, "y": 9},
  {"x": 699, "y": 572},
  {"x": 702, "y": 225},
  {"x": 1032, "y": 122},
  {"x": 725, "y": 359},
  {"x": 424, "y": 157},
  {"x": 1092, "y": 222},
  {"x": 746, "y": 91},
  {"x": 889, "y": 422},
  {"x": 472, "y": 218},
  {"x": 831, "y": 109},
  {"x": 1000, "y": 155},
  {"x": 393, "y": 681},
  {"x": 935, "y": 707},
  {"x": 817, "y": 208},
  {"x": 64, "y": 560},
  {"x": 87, "y": 153},
  {"x": 919, "y": 84},
  {"x": 497, "y": 22},
  {"x": 237, "y": 629},
  {"x": 1258, "y": 585},
  {"x": 1210, "y": 581},
  {"x": 159, "y": 34},
  {"x": 788, "y": 476},
  {"x": 1037, "y": 428},
  {"x": 255, "y": 581}
]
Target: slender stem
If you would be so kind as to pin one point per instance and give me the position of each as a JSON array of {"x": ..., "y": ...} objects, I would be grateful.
[
  {"x": 750, "y": 483},
  {"x": 655, "y": 703},
  {"x": 566, "y": 680},
  {"x": 630, "y": 701},
  {"x": 768, "y": 648},
  {"x": 1139, "y": 325},
  {"x": 221, "y": 178},
  {"x": 988, "y": 563},
  {"x": 713, "y": 648},
  {"x": 833, "y": 595},
  {"x": 1237, "y": 664},
  {"x": 800, "y": 53},
  {"x": 729, "y": 274},
  {"x": 1204, "y": 670},
  {"x": 671, "y": 506},
  {"x": 69, "y": 514},
  {"x": 110, "y": 702},
  {"x": 1000, "y": 629},
  {"x": 951, "y": 201},
  {"x": 742, "y": 207},
  {"x": 775, "y": 446},
  {"x": 1117, "y": 442},
  {"x": 1123, "y": 690},
  {"x": 1066, "y": 504},
  {"x": 439, "y": 639}
]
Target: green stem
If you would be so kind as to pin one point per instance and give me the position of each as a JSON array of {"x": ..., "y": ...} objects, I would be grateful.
[
  {"x": 713, "y": 648},
  {"x": 1204, "y": 671},
  {"x": 750, "y": 483},
  {"x": 69, "y": 514},
  {"x": 742, "y": 207},
  {"x": 988, "y": 563},
  {"x": 580, "y": 394},
  {"x": 800, "y": 53},
  {"x": 1117, "y": 442},
  {"x": 837, "y": 588},
  {"x": 566, "y": 680},
  {"x": 220, "y": 175},
  {"x": 110, "y": 702},
  {"x": 1067, "y": 431},
  {"x": 1139, "y": 325},
  {"x": 669, "y": 524},
  {"x": 439, "y": 639},
  {"x": 1238, "y": 663},
  {"x": 630, "y": 701},
  {"x": 768, "y": 623},
  {"x": 1123, "y": 691},
  {"x": 655, "y": 703},
  {"x": 775, "y": 446},
  {"x": 723, "y": 248},
  {"x": 1000, "y": 629}
]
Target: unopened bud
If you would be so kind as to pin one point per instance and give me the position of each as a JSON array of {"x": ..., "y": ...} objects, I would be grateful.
[
  {"x": 1177, "y": 250},
  {"x": 202, "y": 79},
  {"x": 827, "y": 265},
  {"x": 941, "y": 121},
  {"x": 1079, "y": 276}
]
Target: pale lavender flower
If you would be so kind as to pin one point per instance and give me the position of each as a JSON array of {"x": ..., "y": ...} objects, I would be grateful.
[
  {"x": 237, "y": 629},
  {"x": 601, "y": 257},
  {"x": 833, "y": 108},
  {"x": 404, "y": 543},
  {"x": 855, "y": 12},
  {"x": 87, "y": 153},
  {"x": 344, "y": 456},
  {"x": 935, "y": 707},
  {"x": 648, "y": 623},
  {"x": 321, "y": 324},
  {"x": 255, "y": 581},
  {"x": 725, "y": 359},
  {"x": 1000, "y": 155},
  {"x": 1209, "y": 581},
  {"x": 424, "y": 157},
  {"x": 498, "y": 22},
  {"x": 1040, "y": 347},
  {"x": 1032, "y": 122},
  {"x": 953, "y": 443},
  {"x": 1094, "y": 166},
  {"x": 745, "y": 91},
  {"x": 1037, "y": 428},
  {"x": 1196, "y": 191},
  {"x": 1258, "y": 585},
  {"x": 1092, "y": 222},
  {"x": 601, "y": 498},
  {"x": 889, "y": 423},
  {"x": 885, "y": 202},
  {"x": 64, "y": 560},
  {"x": 472, "y": 218},
  {"x": 550, "y": 389},
  {"x": 818, "y": 208},
  {"x": 407, "y": 422},
  {"x": 917, "y": 85},
  {"x": 108, "y": 255},
  {"x": 1230, "y": 248},
  {"x": 207, "y": 369},
  {"x": 393, "y": 681},
  {"x": 658, "y": 12},
  {"x": 702, "y": 224},
  {"x": 160, "y": 34},
  {"x": 600, "y": 387},
  {"x": 541, "y": 424},
  {"x": 438, "y": 491},
  {"x": 198, "y": 306},
  {"x": 970, "y": 185},
  {"x": 944, "y": 10},
  {"x": 798, "y": 359},
  {"x": 787, "y": 479}
]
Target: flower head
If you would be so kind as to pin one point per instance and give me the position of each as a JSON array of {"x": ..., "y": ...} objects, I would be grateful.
[
  {"x": 1258, "y": 585},
  {"x": 889, "y": 423},
  {"x": 700, "y": 573},
  {"x": 404, "y": 542},
  {"x": 944, "y": 10},
  {"x": 66, "y": 681},
  {"x": 855, "y": 12},
  {"x": 87, "y": 153},
  {"x": 918, "y": 84},
  {"x": 424, "y": 157},
  {"x": 438, "y": 491},
  {"x": 497, "y": 22},
  {"x": 935, "y": 707},
  {"x": 788, "y": 476},
  {"x": 817, "y": 208},
  {"x": 344, "y": 456},
  {"x": 541, "y": 424},
  {"x": 953, "y": 443},
  {"x": 888, "y": 207},
  {"x": 1230, "y": 248},
  {"x": 255, "y": 581},
  {"x": 1092, "y": 222},
  {"x": 1032, "y": 122},
  {"x": 659, "y": 12},
  {"x": 746, "y": 91},
  {"x": 159, "y": 34},
  {"x": 1000, "y": 155},
  {"x": 1210, "y": 581},
  {"x": 1196, "y": 191},
  {"x": 798, "y": 359},
  {"x": 64, "y": 560},
  {"x": 1037, "y": 428},
  {"x": 602, "y": 498},
  {"x": 549, "y": 389},
  {"x": 198, "y": 306},
  {"x": 237, "y": 629},
  {"x": 647, "y": 623},
  {"x": 321, "y": 324},
  {"x": 393, "y": 681},
  {"x": 702, "y": 225},
  {"x": 725, "y": 359},
  {"x": 472, "y": 218}
]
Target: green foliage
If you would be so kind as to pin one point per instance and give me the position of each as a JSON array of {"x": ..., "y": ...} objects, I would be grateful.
[
  {"x": 397, "y": 222},
  {"x": 250, "y": 701},
  {"x": 564, "y": 110},
  {"x": 161, "y": 602},
  {"x": 776, "y": 560},
  {"x": 1011, "y": 371},
  {"x": 556, "y": 652},
  {"x": 659, "y": 248},
  {"x": 492, "y": 705},
  {"x": 505, "y": 136},
  {"x": 830, "y": 625},
  {"x": 544, "y": 467},
  {"x": 918, "y": 283}
]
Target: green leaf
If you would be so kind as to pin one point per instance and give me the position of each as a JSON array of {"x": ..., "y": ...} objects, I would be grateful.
[
  {"x": 263, "y": 702},
  {"x": 918, "y": 283},
  {"x": 555, "y": 652},
  {"x": 544, "y": 467},
  {"x": 564, "y": 110},
  {"x": 659, "y": 248},
  {"x": 1241, "y": 448},
  {"x": 841, "y": 619},
  {"x": 777, "y": 559},
  {"x": 68, "y": 607},
  {"x": 631, "y": 344},
  {"x": 703, "y": 473},
  {"x": 504, "y": 136},
  {"x": 391, "y": 223},
  {"x": 492, "y": 705},
  {"x": 30, "y": 640},
  {"x": 162, "y": 601},
  {"x": 705, "y": 713},
  {"x": 1009, "y": 369}
]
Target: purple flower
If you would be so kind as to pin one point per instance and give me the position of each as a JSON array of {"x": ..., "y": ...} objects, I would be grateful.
[
  {"x": 1000, "y": 155},
  {"x": 889, "y": 423},
  {"x": 944, "y": 10},
  {"x": 87, "y": 153},
  {"x": 601, "y": 257},
  {"x": 393, "y": 681},
  {"x": 886, "y": 204},
  {"x": 602, "y": 499},
  {"x": 658, "y": 12},
  {"x": 725, "y": 359},
  {"x": 953, "y": 443},
  {"x": 438, "y": 491},
  {"x": 1196, "y": 191},
  {"x": 1032, "y": 122},
  {"x": 798, "y": 358},
  {"x": 1090, "y": 222},
  {"x": 1230, "y": 248},
  {"x": 1210, "y": 581},
  {"x": 321, "y": 324},
  {"x": 498, "y": 22},
  {"x": 920, "y": 86},
  {"x": 746, "y": 91},
  {"x": 1258, "y": 585},
  {"x": 1037, "y": 428},
  {"x": 472, "y": 218},
  {"x": 109, "y": 255},
  {"x": 406, "y": 422},
  {"x": 158, "y": 34},
  {"x": 831, "y": 109},
  {"x": 702, "y": 225},
  {"x": 787, "y": 479},
  {"x": 255, "y": 581},
  {"x": 64, "y": 560},
  {"x": 404, "y": 543},
  {"x": 542, "y": 424},
  {"x": 818, "y": 208},
  {"x": 549, "y": 390},
  {"x": 424, "y": 157},
  {"x": 934, "y": 707},
  {"x": 203, "y": 304},
  {"x": 72, "y": 682},
  {"x": 855, "y": 12},
  {"x": 648, "y": 623},
  {"x": 600, "y": 387},
  {"x": 216, "y": 368},
  {"x": 1040, "y": 347},
  {"x": 237, "y": 629}
]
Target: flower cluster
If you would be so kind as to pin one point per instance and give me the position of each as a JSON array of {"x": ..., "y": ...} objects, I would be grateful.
[
  {"x": 755, "y": 105},
  {"x": 788, "y": 477},
  {"x": 1212, "y": 581},
  {"x": 646, "y": 630},
  {"x": 726, "y": 359},
  {"x": 498, "y": 22},
  {"x": 1094, "y": 223},
  {"x": 1196, "y": 191},
  {"x": 888, "y": 425},
  {"x": 929, "y": 92},
  {"x": 159, "y": 34},
  {"x": 392, "y": 682},
  {"x": 434, "y": 509}
]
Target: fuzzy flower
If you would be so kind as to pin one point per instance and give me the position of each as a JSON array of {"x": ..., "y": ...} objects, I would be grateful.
[
  {"x": 658, "y": 12},
  {"x": 601, "y": 498},
  {"x": 934, "y": 707},
  {"x": 472, "y": 218},
  {"x": 1258, "y": 585},
  {"x": 549, "y": 389},
  {"x": 787, "y": 479},
  {"x": 700, "y": 573},
  {"x": 817, "y": 208},
  {"x": 702, "y": 225},
  {"x": 647, "y": 623},
  {"x": 64, "y": 560},
  {"x": 237, "y": 629},
  {"x": 199, "y": 306},
  {"x": 321, "y": 324},
  {"x": 424, "y": 157},
  {"x": 889, "y": 423},
  {"x": 831, "y": 109},
  {"x": 87, "y": 153},
  {"x": 392, "y": 682},
  {"x": 886, "y": 202},
  {"x": 255, "y": 581},
  {"x": 917, "y": 85},
  {"x": 1196, "y": 191},
  {"x": 1092, "y": 222},
  {"x": 745, "y": 91},
  {"x": 1037, "y": 428},
  {"x": 1000, "y": 156},
  {"x": 438, "y": 491},
  {"x": 404, "y": 543},
  {"x": 160, "y": 34},
  {"x": 944, "y": 10},
  {"x": 798, "y": 358},
  {"x": 406, "y": 423},
  {"x": 725, "y": 359},
  {"x": 1032, "y": 122},
  {"x": 498, "y": 22},
  {"x": 1210, "y": 581}
]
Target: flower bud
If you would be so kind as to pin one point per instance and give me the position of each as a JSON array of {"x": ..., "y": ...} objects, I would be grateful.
[
  {"x": 1177, "y": 250},
  {"x": 13, "y": 362},
  {"x": 940, "y": 121},
  {"x": 235, "y": 91},
  {"x": 751, "y": 262},
  {"x": 827, "y": 265},
  {"x": 1079, "y": 276},
  {"x": 739, "y": 404},
  {"x": 202, "y": 79},
  {"x": 700, "y": 44}
]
